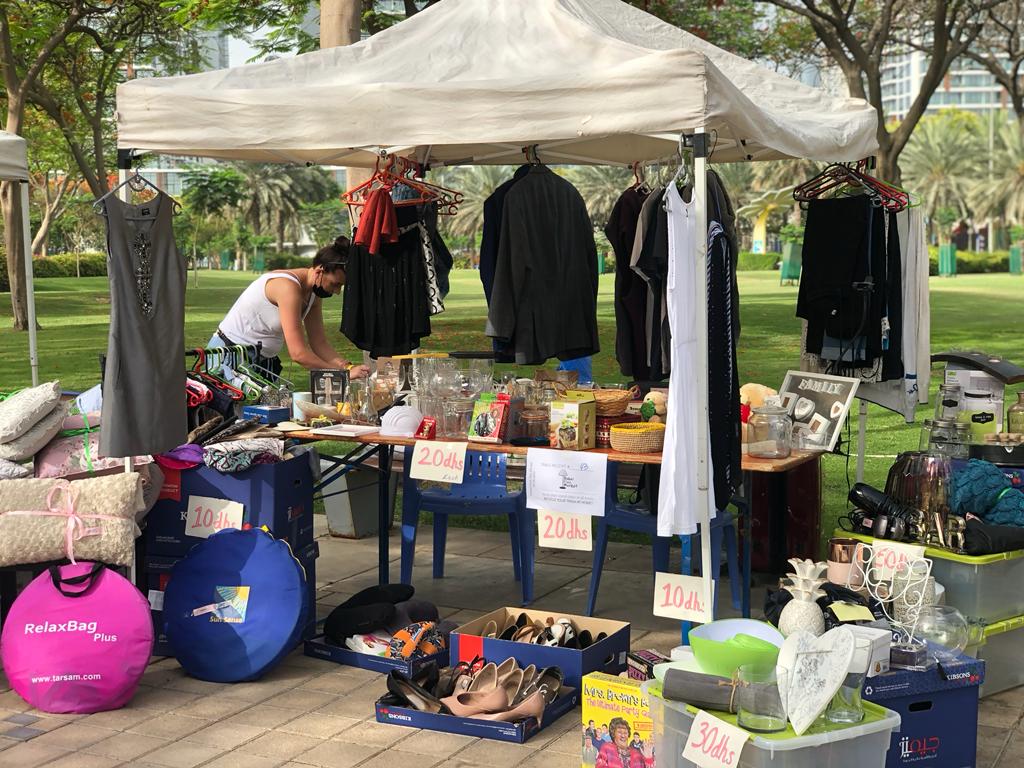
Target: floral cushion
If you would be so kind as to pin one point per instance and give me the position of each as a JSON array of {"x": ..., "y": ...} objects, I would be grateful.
[
  {"x": 79, "y": 456},
  {"x": 23, "y": 410},
  {"x": 32, "y": 442},
  {"x": 9, "y": 470}
]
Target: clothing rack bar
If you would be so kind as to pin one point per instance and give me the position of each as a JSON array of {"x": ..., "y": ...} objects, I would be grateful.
[{"x": 194, "y": 352}]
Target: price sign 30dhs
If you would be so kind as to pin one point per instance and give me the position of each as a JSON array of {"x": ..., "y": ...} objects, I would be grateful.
[{"x": 564, "y": 530}]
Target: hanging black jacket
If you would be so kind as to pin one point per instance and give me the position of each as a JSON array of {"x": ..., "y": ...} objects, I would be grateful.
[{"x": 544, "y": 297}]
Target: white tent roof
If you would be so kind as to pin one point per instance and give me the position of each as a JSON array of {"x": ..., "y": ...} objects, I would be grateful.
[
  {"x": 475, "y": 80},
  {"x": 13, "y": 158}
]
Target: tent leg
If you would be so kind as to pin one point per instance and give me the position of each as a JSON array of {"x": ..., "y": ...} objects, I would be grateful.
[
  {"x": 33, "y": 340},
  {"x": 862, "y": 439},
  {"x": 704, "y": 511}
]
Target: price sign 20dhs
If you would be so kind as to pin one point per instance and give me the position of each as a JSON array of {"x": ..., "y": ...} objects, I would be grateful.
[
  {"x": 564, "y": 530},
  {"x": 714, "y": 743}
]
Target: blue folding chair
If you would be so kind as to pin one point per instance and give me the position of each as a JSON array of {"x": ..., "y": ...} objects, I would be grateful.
[
  {"x": 483, "y": 491},
  {"x": 630, "y": 517}
]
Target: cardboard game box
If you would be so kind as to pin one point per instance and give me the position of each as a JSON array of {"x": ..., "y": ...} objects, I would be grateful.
[
  {"x": 574, "y": 422},
  {"x": 616, "y": 707}
]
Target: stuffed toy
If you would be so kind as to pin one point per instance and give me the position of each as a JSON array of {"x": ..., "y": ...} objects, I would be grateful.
[{"x": 654, "y": 407}]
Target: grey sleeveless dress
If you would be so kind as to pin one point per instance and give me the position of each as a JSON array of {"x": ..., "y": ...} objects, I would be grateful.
[{"x": 144, "y": 378}]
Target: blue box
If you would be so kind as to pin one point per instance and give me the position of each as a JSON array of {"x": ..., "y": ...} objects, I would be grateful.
[
  {"x": 938, "y": 712},
  {"x": 266, "y": 414},
  {"x": 319, "y": 648},
  {"x": 156, "y": 573},
  {"x": 608, "y": 656},
  {"x": 483, "y": 729},
  {"x": 278, "y": 496}
]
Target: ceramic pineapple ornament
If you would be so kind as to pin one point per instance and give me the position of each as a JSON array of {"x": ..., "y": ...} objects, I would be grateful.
[{"x": 802, "y": 612}]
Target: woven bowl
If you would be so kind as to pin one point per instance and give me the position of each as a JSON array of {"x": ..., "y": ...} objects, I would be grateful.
[
  {"x": 640, "y": 437},
  {"x": 613, "y": 402}
]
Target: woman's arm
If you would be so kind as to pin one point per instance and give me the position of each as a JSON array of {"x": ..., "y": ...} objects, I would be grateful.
[
  {"x": 322, "y": 347},
  {"x": 288, "y": 298}
]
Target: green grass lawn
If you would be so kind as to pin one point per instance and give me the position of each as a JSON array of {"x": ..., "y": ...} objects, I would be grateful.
[{"x": 970, "y": 311}]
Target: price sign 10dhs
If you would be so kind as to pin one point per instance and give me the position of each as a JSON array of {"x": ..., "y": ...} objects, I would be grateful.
[
  {"x": 563, "y": 530},
  {"x": 206, "y": 516},
  {"x": 679, "y": 597}
]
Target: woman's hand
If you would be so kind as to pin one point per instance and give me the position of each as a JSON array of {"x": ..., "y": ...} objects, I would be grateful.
[{"x": 358, "y": 372}]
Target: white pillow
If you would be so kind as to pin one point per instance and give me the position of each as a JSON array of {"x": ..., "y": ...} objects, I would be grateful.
[
  {"x": 33, "y": 441},
  {"x": 22, "y": 411},
  {"x": 11, "y": 471}
]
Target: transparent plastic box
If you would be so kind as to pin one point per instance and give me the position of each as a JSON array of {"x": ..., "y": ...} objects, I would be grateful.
[
  {"x": 858, "y": 745},
  {"x": 1001, "y": 652}
]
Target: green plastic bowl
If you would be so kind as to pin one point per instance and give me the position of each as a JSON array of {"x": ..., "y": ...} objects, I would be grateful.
[{"x": 722, "y": 646}]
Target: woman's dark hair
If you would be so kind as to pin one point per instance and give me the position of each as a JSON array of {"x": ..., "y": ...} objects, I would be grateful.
[
  {"x": 334, "y": 256},
  {"x": 618, "y": 722}
]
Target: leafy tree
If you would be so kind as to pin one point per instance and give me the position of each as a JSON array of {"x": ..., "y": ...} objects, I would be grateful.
[
  {"x": 53, "y": 176},
  {"x": 859, "y": 36},
  {"x": 476, "y": 183},
  {"x": 324, "y": 220},
  {"x": 210, "y": 190},
  {"x": 1000, "y": 49},
  {"x": 943, "y": 159}
]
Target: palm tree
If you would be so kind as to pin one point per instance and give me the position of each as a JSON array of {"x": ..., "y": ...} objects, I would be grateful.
[
  {"x": 601, "y": 186},
  {"x": 1003, "y": 196},
  {"x": 275, "y": 194},
  {"x": 476, "y": 183},
  {"x": 942, "y": 160}
]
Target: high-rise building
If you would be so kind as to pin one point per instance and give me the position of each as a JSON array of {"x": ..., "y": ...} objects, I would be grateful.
[{"x": 967, "y": 85}]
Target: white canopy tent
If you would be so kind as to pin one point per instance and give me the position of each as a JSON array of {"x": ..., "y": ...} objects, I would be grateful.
[
  {"x": 474, "y": 81},
  {"x": 14, "y": 167}
]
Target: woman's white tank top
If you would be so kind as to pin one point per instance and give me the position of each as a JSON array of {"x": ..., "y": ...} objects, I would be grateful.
[{"x": 253, "y": 319}]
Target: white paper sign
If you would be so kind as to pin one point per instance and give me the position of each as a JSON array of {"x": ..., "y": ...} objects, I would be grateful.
[
  {"x": 156, "y": 600},
  {"x": 564, "y": 530},
  {"x": 440, "y": 462},
  {"x": 679, "y": 597},
  {"x": 566, "y": 481},
  {"x": 714, "y": 743},
  {"x": 206, "y": 516},
  {"x": 889, "y": 556}
]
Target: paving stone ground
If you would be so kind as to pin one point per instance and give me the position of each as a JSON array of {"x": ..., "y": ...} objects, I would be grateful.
[{"x": 310, "y": 712}]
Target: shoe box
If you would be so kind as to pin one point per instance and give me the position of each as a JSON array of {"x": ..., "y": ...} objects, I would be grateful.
[
  {"x": 278, "y": 496},
  {"x": 319, "y": 648},
  {"x": 608, "y": 655},
  {"x": 517, "y": 733}
]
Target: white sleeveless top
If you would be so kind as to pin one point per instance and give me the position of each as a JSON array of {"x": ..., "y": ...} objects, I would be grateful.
[{"x": 253, "y": 319}]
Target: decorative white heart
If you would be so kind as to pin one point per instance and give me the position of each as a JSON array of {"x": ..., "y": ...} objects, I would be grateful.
[{"x": 810, "y": 671}]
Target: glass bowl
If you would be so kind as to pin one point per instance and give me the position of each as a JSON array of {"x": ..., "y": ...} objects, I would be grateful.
[{"x": 944, "y": 629}]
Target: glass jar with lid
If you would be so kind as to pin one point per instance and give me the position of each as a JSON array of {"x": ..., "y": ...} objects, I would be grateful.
[
  {"x": 948, "y": 437},
  {"x": 948, "y": 401},
  {"x": 536, "y": 423},
  {"x": 1015, "y": 416},
  {"x": 770, "y": 431}
]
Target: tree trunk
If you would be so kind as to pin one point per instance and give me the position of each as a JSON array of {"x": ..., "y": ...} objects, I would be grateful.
[
  {"x": 339, "y": 25},
  {"x": 10, "y": 194},
  {"x": 280, "y": 232},
  {"x": 43, "y": 233}
]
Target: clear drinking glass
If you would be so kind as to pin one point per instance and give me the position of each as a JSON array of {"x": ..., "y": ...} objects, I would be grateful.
[
  {"x": 458, "y": 415},
  {"x": 758, "y": 704},
  {"x": 846, "y": 706}
]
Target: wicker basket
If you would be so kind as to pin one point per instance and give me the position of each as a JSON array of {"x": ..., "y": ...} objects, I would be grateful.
[
  {"x": 613, "y": 402},
  {"x": 640, "y": 437}
]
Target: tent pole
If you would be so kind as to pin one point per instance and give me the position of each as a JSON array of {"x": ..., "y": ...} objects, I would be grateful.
[
  {"x": 704, "y": 498},
  {"x": 862, "y": 441},
  {"x": 33, "y": 339}
]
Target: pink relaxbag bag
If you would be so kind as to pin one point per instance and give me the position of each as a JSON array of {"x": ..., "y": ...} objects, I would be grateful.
[{"x": 77, "y": 640}]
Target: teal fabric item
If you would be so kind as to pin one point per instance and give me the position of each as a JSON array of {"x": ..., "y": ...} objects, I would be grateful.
[{"x": 981, "y": 489}]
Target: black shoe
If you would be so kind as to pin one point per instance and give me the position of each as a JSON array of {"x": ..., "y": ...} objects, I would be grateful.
[
  {"x": 383, "y": 593},
  {"x": 412, "y": 695}
]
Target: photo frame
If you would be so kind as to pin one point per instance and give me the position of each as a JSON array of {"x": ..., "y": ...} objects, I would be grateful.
[{"x": 818, "y": 404}]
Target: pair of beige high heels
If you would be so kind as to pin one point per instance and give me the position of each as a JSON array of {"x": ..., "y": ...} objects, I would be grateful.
[{"x": 504, "y": 692}]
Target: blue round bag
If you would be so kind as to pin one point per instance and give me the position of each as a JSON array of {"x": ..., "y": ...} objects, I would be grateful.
[{"x": 235, "y": 606}]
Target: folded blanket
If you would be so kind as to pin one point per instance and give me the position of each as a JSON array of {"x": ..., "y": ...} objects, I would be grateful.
[{"x": 91, "y": 519}]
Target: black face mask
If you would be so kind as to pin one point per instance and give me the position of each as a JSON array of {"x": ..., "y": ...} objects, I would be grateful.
[{"x": 320, "y": 291}]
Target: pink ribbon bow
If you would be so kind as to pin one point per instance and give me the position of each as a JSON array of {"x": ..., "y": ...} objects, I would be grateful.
[{"x": 61, "y": 501}]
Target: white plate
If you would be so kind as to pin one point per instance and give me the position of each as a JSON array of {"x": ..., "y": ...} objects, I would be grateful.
[{"x": 345, "y": 430}]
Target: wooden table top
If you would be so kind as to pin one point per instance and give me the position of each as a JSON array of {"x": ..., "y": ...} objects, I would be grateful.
[{"x": 750, "y": 464}]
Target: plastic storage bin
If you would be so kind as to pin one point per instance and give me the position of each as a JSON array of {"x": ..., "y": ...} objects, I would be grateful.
[
  {"x": 1001, "y": 652},
  {"x": 986, "y": 588},
  {"x": 859, "y": 745}
]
